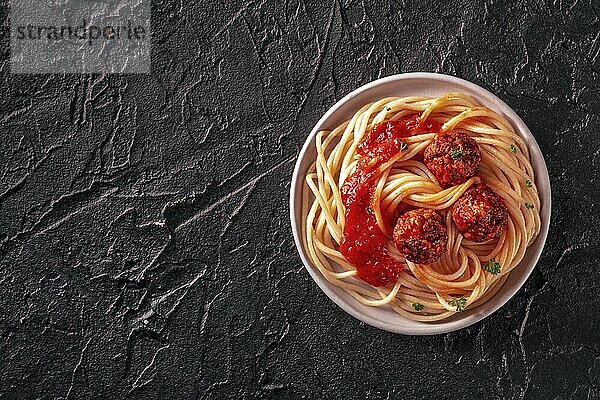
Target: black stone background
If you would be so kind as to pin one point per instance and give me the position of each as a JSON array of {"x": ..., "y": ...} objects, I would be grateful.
[{"x": 146, "y": 249}]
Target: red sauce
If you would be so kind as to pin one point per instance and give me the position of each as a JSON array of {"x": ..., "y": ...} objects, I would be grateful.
[{"x": 363, "y": 244}]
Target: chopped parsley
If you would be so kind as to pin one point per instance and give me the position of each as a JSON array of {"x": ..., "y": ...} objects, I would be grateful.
[
  {"x": 528, "y": 183},
  {"x": 459, "y": 303},
  {"x": 513, "y": 149},
  {"x": 493, "y": 267},
  {"x": 528, "y": 206},
  {"x": 455, "y": 154},
  {"x": 403, "y": 146},
  {"x": 418, "y": 306}
]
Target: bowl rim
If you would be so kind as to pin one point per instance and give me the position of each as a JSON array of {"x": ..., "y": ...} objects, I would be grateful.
[{"x": 439, "y": 327}]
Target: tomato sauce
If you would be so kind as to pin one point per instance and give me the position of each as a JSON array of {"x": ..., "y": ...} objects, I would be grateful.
[{"x": 363, "y": 244}]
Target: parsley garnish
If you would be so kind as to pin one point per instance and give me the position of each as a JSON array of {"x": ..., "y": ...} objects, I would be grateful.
[
  {"x": 513, "y": 148},
  {"x": 528, "y": 183},
  {"x": 459, "y": 303},
  {"x": 403, "y": 146},
  {"x": 418, "y": 306},
  {"x": 528, "y": 206},
  {"x": 455, "y": 154},
  {"x": 492, "y": 267}
]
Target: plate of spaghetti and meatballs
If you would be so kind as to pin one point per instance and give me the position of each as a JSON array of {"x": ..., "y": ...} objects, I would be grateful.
[{"x": 420, "y": 203}]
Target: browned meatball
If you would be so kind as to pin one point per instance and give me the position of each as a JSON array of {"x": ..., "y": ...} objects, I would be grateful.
[
  {"x": 452, "y": 157},
  {"x": 480, "y": 214},
  {"x": 420, "y": 236}
]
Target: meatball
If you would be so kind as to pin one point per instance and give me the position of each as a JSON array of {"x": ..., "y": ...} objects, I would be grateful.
[
  {"x": 452, "y": 157},
  {"x": 420, "y": 236},
  {"x": 480, "y": 214}
]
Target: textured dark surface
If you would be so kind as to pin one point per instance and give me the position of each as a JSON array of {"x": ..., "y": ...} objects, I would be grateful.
[{"x": 146, "y": 249}]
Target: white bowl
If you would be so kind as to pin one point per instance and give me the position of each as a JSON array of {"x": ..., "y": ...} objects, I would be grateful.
[{"x": 434, "y": 85}]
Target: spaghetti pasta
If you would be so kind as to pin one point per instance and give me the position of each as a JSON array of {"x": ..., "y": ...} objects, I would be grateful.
[{"x": 462, "y": 277}]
